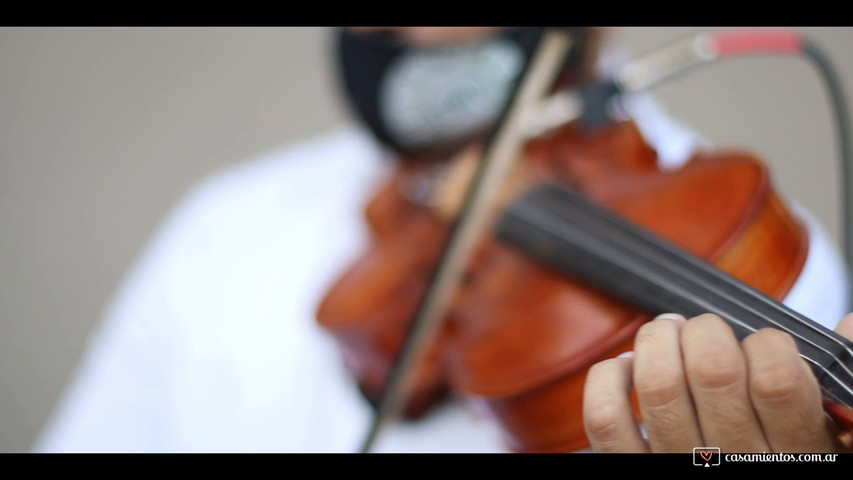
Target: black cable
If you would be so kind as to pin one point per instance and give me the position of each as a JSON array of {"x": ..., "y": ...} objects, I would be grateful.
[{"x": 842, "y": 123}]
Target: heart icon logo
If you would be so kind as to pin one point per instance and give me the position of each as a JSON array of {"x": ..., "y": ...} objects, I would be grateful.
[{"x": 703, "y": 456}]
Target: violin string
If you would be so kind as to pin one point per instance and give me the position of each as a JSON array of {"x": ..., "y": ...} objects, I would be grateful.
[
  {"x": 675, "y": 280},
  {"x": 700, "y": 303},
  {"x": 673, "y": 261},
  {"x": 676, "y": 257},
  {"x": 813, "y": 333}
]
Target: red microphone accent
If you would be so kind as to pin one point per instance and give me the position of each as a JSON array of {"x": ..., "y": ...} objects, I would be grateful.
[{"x": 735, "y": 43}]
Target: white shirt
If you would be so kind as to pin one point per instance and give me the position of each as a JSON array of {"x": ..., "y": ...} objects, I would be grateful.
[{"x": 211, "y": 343}]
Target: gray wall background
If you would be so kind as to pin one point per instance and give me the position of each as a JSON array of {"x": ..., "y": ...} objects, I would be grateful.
[{"x": 103, "y": 129}]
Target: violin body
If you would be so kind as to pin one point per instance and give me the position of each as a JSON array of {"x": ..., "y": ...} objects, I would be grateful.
[
  {"x": 520, "y": 336},
  {"x": 718, "y": 206}
]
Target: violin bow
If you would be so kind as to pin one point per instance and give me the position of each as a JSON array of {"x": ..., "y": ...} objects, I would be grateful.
[{"x": 498, "y": 158}]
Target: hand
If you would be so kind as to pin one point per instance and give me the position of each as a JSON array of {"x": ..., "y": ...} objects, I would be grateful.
[{"x": 697, "y": 386}]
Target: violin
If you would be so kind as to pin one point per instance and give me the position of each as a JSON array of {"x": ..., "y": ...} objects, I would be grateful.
[{"x": 538, "y": 303}]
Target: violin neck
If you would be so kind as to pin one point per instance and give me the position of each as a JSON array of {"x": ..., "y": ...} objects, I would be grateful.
[{"x": 568, "y": 233}]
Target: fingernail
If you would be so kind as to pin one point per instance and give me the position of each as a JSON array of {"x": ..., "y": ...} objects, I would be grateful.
[
  {"x": 628, "y": 354},
  {"x": 671, "y": 316}
]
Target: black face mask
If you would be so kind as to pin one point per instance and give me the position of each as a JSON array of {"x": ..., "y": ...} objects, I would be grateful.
[{"x": 423, "y": 101}]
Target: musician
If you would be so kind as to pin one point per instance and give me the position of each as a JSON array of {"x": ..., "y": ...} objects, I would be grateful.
[{"x": 211, "y": 343}]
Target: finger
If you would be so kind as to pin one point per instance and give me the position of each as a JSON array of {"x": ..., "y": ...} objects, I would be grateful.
[
  {"x": 607, "y": 411},
  {"x": 717, "y": 374},
  {"x": 662, "y": 391},
  {"x": 785, "y": 394},
  {"x": 845, "y": 327}
]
